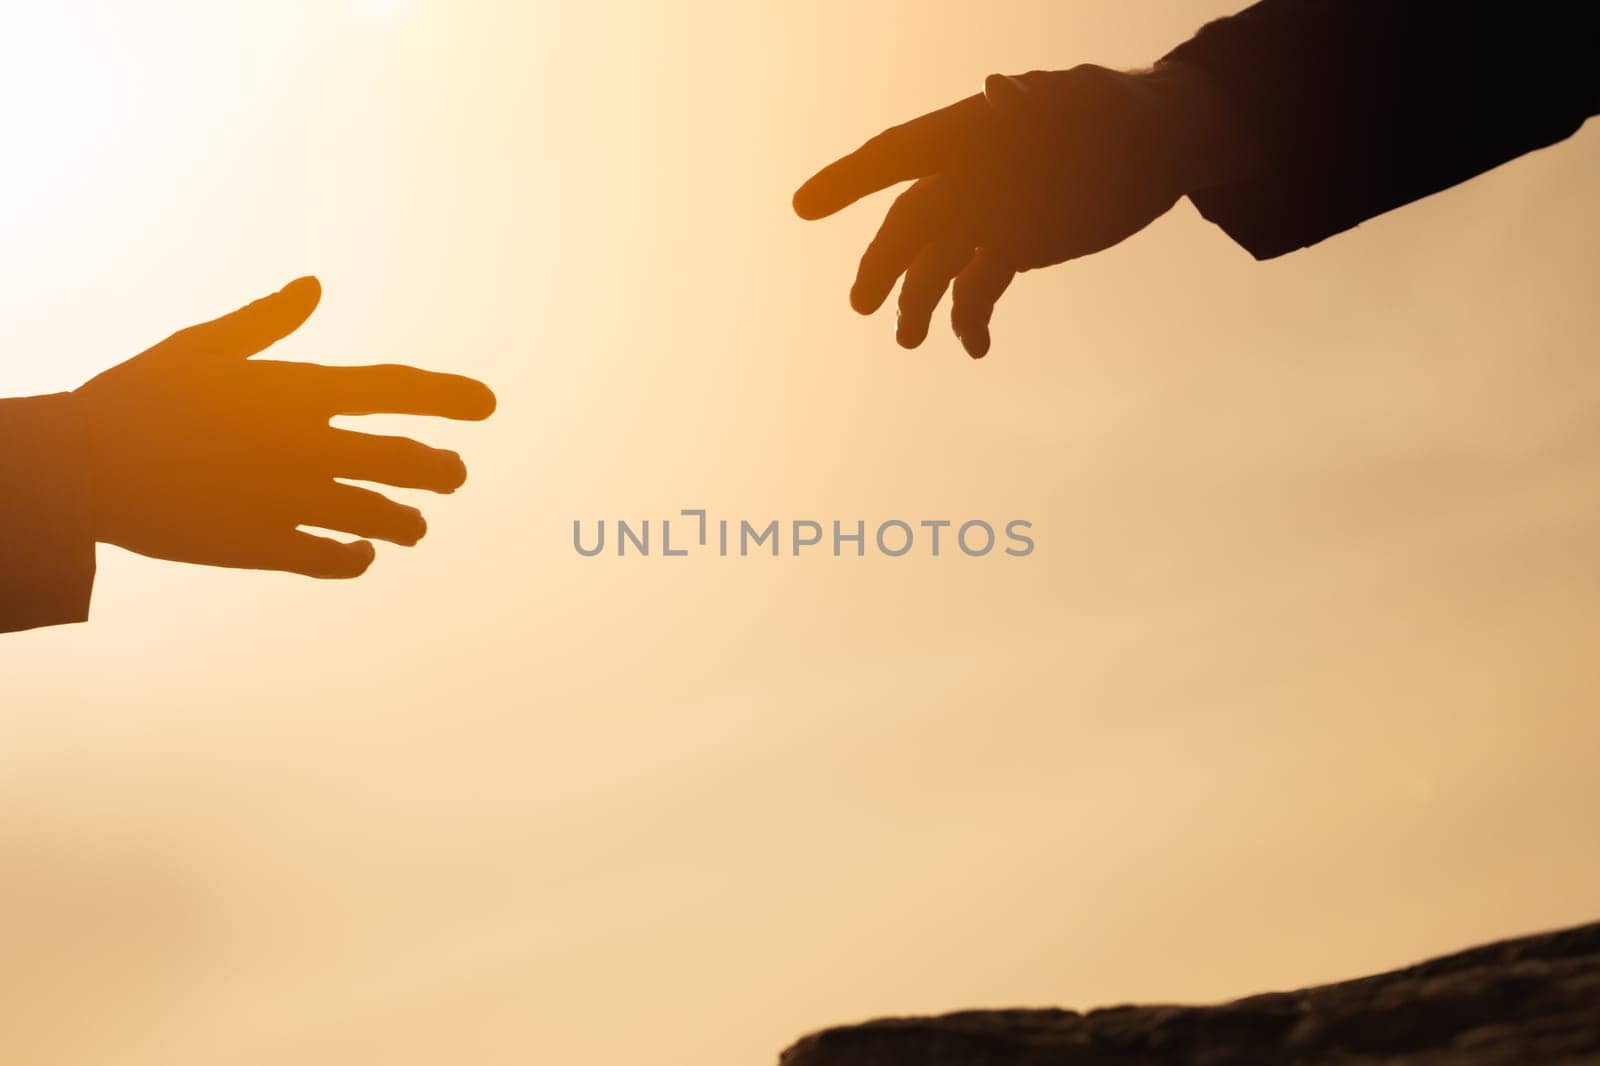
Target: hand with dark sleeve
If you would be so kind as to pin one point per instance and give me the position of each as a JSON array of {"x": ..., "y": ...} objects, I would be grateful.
[
  {"x": 1285, "y": 124},
  {"x": 194, "y": 452}
]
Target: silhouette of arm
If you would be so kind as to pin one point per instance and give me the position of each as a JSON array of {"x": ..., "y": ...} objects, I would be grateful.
[
  {"x": 1285, "y": 124},
  {"x": 194, "y": 452},
  {"x": 1360, "y": 106}
]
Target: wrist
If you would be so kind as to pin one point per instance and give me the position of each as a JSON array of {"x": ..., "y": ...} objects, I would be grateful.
[
  {"x": 46, "y": 542},
  {"x": 81, "y": 454},
  {"x": 1210, "y": 144},
  {"x": 47, "y": 440}
]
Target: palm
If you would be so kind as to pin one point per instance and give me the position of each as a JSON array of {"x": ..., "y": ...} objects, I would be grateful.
[
  {"x": 203, "y": 455},
  {"x": 1034, "y": 171}
]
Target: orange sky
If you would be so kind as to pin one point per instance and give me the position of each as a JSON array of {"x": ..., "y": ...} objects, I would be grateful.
[{"x": 1297, "y": 684}]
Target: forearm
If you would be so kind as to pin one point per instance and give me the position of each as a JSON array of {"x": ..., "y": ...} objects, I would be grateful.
[
  {"x": 47, "y": 558},
  {"x": 1355, "y": 107}
]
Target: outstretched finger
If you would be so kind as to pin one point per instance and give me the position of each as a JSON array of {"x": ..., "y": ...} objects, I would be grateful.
[
  {"x": 387, "y": 389},
  {"x": 362, "y": 512},
  {"x": 977, "y": 289},
  {"x": 299, "y": 552},
  {"x": 255, "y": 326},
  {"x": 914, "y": 220},
  {"x": 397, "y": 461},
  {"x": 926, "y": 281},
  {"x": 914, "y": 149}
]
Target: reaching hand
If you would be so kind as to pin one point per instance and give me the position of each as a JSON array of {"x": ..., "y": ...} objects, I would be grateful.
[
  {"x": 1035, "y": 170},
  {"x": 201, "y": 455}
]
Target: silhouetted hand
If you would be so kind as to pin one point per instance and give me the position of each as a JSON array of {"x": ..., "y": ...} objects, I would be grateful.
[
  {"x": 1035, "y": 170},
  {"x": 201, "y": 455}
]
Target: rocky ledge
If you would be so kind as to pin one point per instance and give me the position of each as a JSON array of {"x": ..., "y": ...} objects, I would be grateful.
[{"x": 1525, "y": 1002}]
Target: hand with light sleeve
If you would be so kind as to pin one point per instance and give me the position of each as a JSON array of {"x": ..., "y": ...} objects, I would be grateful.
[{"x": 196, "y": 452}]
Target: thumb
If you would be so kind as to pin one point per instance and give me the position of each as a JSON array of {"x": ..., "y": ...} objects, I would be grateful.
[{"x": 255, "y": 326}]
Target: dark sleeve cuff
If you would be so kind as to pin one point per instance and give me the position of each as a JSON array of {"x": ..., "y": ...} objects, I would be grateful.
[
  {"x": 1361, "y": 106},
  {"x": 46, "y": 548}
]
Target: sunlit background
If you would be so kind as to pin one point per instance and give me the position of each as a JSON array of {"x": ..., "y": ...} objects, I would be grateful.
[{"x": 1298, "y": 684}]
